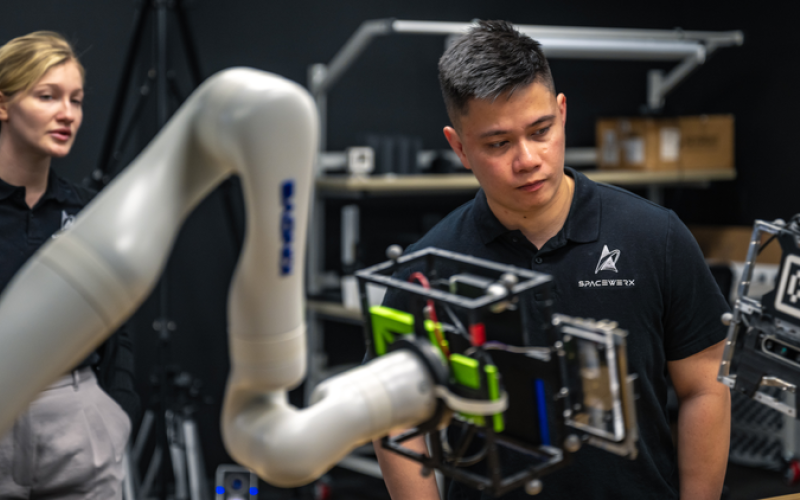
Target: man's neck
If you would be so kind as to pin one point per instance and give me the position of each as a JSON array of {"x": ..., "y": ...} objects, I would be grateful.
[
  {"x": 541, "y": 225},
  {"x": 25, "y": 170}
]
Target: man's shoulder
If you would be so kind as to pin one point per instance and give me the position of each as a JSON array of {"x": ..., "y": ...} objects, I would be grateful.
[
  {"x": 653, "y": 229},
  {"x": 623, "y": 199},
  {"x": 627, "y": 211}
]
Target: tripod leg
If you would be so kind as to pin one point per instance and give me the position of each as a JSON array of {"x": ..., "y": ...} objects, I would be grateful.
[
  {"x": 141, "y": 436},
  {"x": 128, "y": 481},
  {"x": 127, "y": 133},
  {"x": 150, "y": 475},
  {"x": 119, "y": 100},
  {"x": 198, "y": 484},
  {"x": 188, "y": 44},
  {"x": 177, "y": 453}
]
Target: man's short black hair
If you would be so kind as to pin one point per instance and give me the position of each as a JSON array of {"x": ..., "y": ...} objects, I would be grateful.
[{"x": 491, "y": 59}]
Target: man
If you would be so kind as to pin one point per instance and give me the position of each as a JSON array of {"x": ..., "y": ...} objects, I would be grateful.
[{"x": 612, "y": 255}]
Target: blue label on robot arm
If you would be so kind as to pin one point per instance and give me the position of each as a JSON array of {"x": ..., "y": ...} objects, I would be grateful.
[{"x": 287, "y": 227}]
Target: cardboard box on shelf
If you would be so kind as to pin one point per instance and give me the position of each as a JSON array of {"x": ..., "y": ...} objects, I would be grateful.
[
  {"x": 689, "y": 142},
  {"x": 730, "y": 244},
  {"x": 638, "y": 143},
  {"x": 706, "y": 142}
]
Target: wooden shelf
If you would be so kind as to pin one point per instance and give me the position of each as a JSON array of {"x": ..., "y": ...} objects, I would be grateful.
[
  {"x": 428, "y": 183},
  {"x": 664, "y": 178},
  {"x": 397, "y": 184}
]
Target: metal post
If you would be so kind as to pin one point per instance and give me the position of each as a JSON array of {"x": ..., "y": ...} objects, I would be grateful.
[
  {"x": 658, "y": 85},
  {"x": 655, "y": 97}
]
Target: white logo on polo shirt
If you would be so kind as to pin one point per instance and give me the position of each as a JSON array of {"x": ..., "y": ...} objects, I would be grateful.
[
  {"x": 608, "y": 260},
  {"x": 67, "y": 221}
]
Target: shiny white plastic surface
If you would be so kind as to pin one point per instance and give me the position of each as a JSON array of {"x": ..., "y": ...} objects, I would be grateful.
[
  {"x": 290, "y": 447},
  {"x": 83, "y": 284}
]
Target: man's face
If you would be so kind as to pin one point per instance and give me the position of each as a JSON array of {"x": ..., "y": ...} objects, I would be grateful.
[{"x": 515, "y": 147}]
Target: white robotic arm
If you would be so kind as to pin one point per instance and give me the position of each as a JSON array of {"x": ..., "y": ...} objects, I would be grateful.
[{"x": 82, "y": 285}]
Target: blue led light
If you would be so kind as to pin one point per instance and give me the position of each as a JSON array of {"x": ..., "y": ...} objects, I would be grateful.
[
  {"x": 253, "y": 490},
  {"x": 220, "y": 490},
  {"x": 544, "y": 428}
]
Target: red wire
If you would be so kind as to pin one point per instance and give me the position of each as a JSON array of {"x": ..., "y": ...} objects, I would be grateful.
[
  {"x": 432, "y": 311},
  {"x": 421, "y": 278}
]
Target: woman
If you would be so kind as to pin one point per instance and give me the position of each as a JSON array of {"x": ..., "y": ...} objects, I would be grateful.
[{"x": 70, "y": 442}]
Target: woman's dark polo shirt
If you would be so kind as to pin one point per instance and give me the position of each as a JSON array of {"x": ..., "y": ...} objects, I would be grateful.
[
  {"x": 23, "y": 231},
  {"x": 622, "y": 258}
]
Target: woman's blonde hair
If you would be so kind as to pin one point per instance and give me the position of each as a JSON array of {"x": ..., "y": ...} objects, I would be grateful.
[{"x": 25, "y": 59}]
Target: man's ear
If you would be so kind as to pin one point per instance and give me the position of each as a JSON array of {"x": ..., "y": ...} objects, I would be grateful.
[
  {"x": 3, "y": 107},
  {"x": 561, "y": 100},
  {"x": 457, "y": 145}
]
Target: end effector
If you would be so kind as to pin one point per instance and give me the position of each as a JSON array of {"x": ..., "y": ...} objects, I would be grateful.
[{"x": 762, "y": 349}]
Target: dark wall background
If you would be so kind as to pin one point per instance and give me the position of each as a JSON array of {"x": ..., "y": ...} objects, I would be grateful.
[{"x": 393, "y": 89}]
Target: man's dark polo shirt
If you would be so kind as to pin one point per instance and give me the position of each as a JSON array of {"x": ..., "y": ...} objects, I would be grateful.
[{"x": 622, "y": 258}]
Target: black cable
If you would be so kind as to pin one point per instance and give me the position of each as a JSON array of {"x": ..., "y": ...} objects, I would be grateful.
[
  {"x": 793, "y": 225},
  {"x": 458, "y": 459},
  {"x": 769, "y": 240},
  {"x": 457, "y": 322}
]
